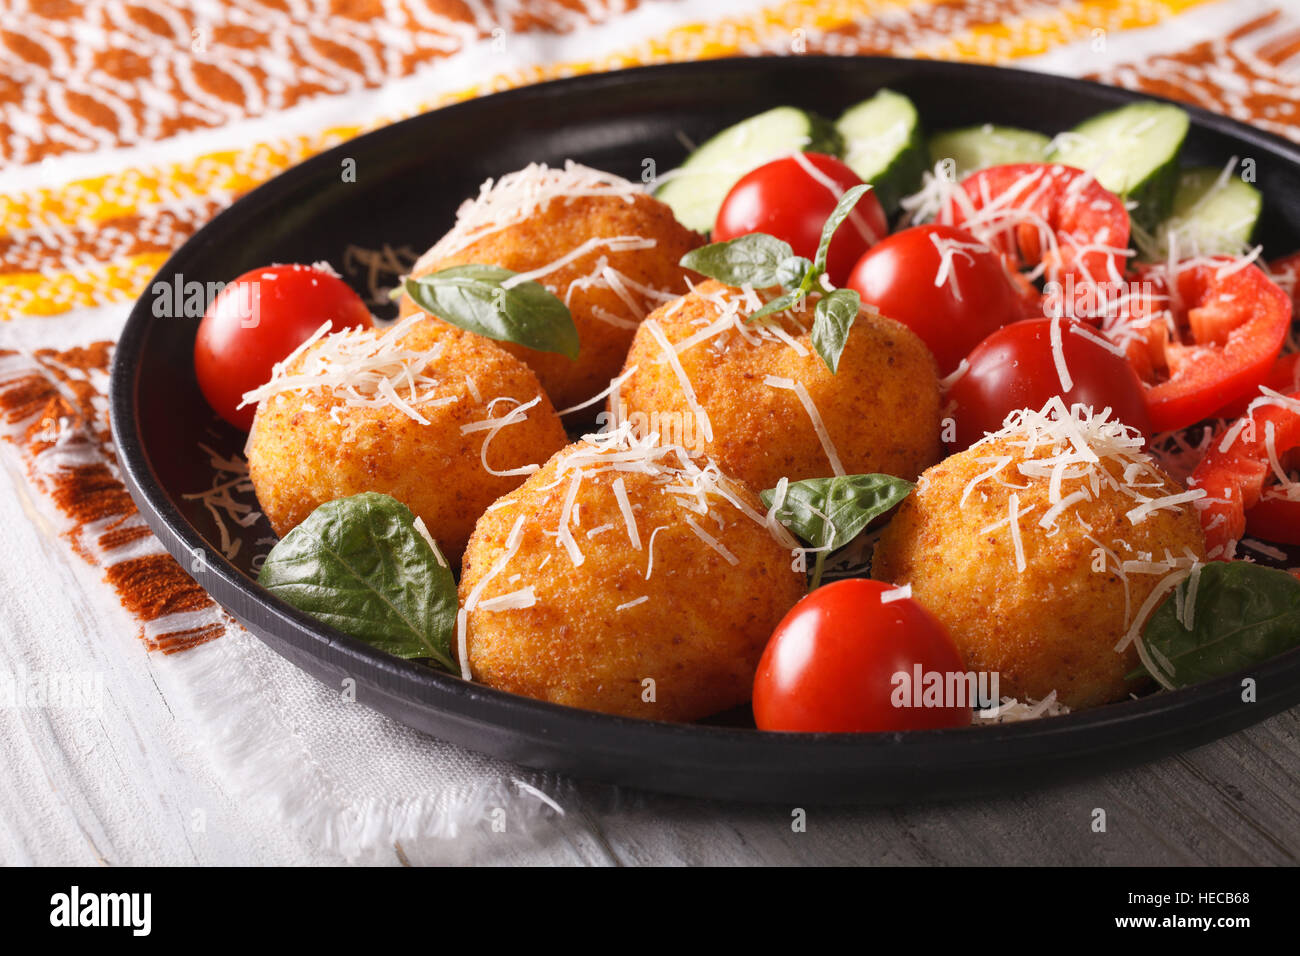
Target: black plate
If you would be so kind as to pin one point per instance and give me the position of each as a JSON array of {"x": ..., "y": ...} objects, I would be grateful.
[{"x": 410, "y": 177}]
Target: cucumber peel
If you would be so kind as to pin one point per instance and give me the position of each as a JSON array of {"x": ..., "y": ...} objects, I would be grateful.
[
  {"x": 697, "y": 188},
  {"x": 973, "y": 148},
  {"x": 1214, "y": 213},
  {"x": 884, "y": 145},
  {"x": 1133, "y": 152}
]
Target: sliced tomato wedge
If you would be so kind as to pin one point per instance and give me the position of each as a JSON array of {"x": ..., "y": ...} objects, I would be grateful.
[
  {"x": 1056, "y": 221},
  {"x": 1235, "y": 477},
  {"x": 1202, "y": 338}
]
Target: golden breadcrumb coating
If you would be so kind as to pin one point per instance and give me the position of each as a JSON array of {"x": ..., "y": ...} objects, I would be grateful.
[
  {"x": 602, "y": 636},
  {"x": 310, "y": 447},
  {"x": 561, "y": 226},
  {"x": 881, "y": 409},
  {"x": 1055, "y": 625}
]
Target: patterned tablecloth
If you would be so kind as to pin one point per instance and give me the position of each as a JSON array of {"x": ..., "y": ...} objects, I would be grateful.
[{"x": 126, "y": 125}]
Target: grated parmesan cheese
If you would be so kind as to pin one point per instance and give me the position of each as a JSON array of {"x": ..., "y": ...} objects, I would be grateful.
[
  {"x": 896, "y": 594},
  {"x": 688, "y": 390},
  {"x": 814, "y": 416}
]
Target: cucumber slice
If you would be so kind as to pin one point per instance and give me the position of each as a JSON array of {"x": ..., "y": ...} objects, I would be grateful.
[
  {"x": 978, "y": 147},
  {"x": 696, "y": 190},
  {"x": 884, "y": 145},
  {"x": 1133, "y": 152},
  {"x": 1214, "y": 213}
]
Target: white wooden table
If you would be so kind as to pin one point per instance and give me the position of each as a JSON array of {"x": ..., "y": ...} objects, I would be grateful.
[{"x": 129, "y": 787}]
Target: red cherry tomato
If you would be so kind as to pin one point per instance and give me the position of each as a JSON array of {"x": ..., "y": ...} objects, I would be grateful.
[
  {"x": 1046, "y": 214},
  {"x": 256, "y": 321},
  {"x": 783, "y": 199},
  {"x": 1227, "y": 333},
  {"x": 939, "y": 281},
  {"x": 1235, "y": 478},
  {"x": 831, "y": 664},
  {"x": 1015, "y": 368}
]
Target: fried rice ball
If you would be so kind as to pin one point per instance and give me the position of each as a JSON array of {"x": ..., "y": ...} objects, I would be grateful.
[
  {"x": 311, "y": 446},
  {"x": 664, "y": 626},
  {"x": 1054, "y": 625},
  {"x": 606, "y": 312},
  {"x": 881, "y": 410}
]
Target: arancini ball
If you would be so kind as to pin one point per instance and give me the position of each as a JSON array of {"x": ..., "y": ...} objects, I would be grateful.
[
  {"x": 626, "y": 578},
  {"x": 404, "y": 412},
  {"x": 772, "y": 409},
  {"x": 1039, "y": 583},
  {"x": 628, "y": 245}
]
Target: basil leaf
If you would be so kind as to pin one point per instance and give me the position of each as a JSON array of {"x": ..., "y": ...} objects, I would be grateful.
[
  {"x": 833, "y": 511},
  {"x": 791, "y": 272},
  {"x": 755, "y": 259},
  {"x": 837, "y": 217},
  {"x": 834, "y": 317},
  {"x": 1243, "y": 615},
  {"x": 473, "y": 298},
  {"x": 779, "y": 304},
  {"x": 359, "y": 564}
]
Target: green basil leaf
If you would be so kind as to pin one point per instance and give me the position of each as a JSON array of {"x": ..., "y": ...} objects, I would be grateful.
[
  {"x": 836, "y": 218},
  {"x": 473, "y": 298},
  {"x": 779, "y": 304},
  {"x": 832, "y": 320},
  {"x": 791, "y": 273},
  {"x": 833, "y": 511},
  {"x": 755, "y": 259},
  {"x": 359, "y": 564},
  {"x": 1243, "y": 615}
]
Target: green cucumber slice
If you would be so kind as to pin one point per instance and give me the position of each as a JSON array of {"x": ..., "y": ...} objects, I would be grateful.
[
  {"x": 884, "y": 145},
  {"x": 973, "y": 148},
  {"x": 1133, "y": 152},
  {"x": 1214, "y": 213},
  {"x": 695, "y": 190}
]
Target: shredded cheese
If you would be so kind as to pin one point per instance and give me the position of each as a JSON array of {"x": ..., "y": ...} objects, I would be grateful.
[
  {"x": 896, "y": 594},
  {"x": 518, "y": 196},
  {"x": 688, "y": 390},
  {"x": 625, "y": 506},
  {"x": 712, "y": 542},
  {"x": 493, "y": 426},
  {"x": 823, "y": 436}
]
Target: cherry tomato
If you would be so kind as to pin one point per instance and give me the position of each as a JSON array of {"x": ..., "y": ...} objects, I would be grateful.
[
  {"x": 1235, "y": 478},
  {"x": 939, "y": 281},
  {"x": 1057, "y": 217},
  {"x": 1227, "y": 333},
  {"x": 258, "y": 319},
  {"x": 783, "y": 199},
  {"x": 1015, "y": 368},
  {"x": 831, "y": 663}
]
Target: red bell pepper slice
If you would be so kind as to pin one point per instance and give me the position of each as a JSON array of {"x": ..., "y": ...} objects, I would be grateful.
[
  {"x": 1203, "y": 338},
  {"x": 1049, "y": 217},
  {"x": 1237, "y": 470}
]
